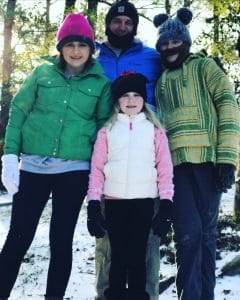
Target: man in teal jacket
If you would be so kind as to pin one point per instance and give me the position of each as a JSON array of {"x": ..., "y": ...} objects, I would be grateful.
[{"x": 123, "y": 52}]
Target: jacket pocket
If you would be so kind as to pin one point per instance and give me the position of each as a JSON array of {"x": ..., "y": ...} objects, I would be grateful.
[
  {"x": 85, "y": 101},
  {"x": 50, "y": 91},
  {"x": 89, "y": 90},
  {"x": 184, "y": 128}
]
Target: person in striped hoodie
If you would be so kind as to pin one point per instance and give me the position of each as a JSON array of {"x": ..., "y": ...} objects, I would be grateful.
[{"x": 196, "y": 104}]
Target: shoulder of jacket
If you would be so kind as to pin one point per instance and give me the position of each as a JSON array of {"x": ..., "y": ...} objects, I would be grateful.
[
  {"x": 102, "y": 48},
  {"x": 39, "y": 70},
  {"x": 159, "y": 131},
  {"x": 97, "y": 70},
  {"x": 43, "y": 67},
  {"x": 150, "y": 50},
  {"x": 149, "y": 123},
  {"x": 199, "y": 57}
]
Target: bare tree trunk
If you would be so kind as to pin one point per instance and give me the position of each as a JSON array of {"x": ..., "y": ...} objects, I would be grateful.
[
  {"x": 47, "y": 25},
  {"x": 215, "y": 26},
  {"x": 69, "y": 7},
  {"x": 238, "y": 45},
  {"x": 236, "y": 208},
  {"x": 6, "y": 95},
  {"x": 168, "y": 6},
  {"x": 187, "y": 3},
  {"x": 92, "y": 12}
]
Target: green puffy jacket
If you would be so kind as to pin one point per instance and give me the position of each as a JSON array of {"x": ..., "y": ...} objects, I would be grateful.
[{"x": 54, "y": 116}]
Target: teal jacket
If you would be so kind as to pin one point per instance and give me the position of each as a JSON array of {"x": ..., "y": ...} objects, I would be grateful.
[
  {"x": 54, "y": 116},
  {"x": 197, "y": 105}
]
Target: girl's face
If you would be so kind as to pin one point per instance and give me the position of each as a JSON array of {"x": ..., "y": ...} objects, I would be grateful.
[
  {"x": 131, "y": 103},
  {"x": 76, "y": 55}
]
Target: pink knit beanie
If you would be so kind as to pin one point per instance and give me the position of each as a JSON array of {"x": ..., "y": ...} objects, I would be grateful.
[{"x": 75, "y": 27}]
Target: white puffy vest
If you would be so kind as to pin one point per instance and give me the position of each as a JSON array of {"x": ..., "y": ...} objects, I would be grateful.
[{"x": 130, "y": 170}]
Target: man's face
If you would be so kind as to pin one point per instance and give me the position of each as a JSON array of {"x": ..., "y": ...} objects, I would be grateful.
[{"x": 121, "y": 25}]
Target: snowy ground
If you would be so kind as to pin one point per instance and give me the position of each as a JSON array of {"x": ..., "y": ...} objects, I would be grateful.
[{"x": 32, "y": 276}]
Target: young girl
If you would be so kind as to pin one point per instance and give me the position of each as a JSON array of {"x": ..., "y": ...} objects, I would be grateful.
[
  {"x": 53, "y": 122},
  {"x": 131, "y": 165}
]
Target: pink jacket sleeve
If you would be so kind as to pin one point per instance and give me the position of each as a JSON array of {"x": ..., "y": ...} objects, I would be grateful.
[
  {"x": 99, "y": 158},
  {"x": 164, "y": 165}
]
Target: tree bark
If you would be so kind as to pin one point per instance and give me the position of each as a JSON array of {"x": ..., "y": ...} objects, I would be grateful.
[
  {"x": 6, "y": 95},
  {"x": 238, "y": 45},
  {"x": 47, "y": 25},
  {"x": 69, "y": 7},
  {"x": 236, "y": 209},
  {"x": 187, "y": 3},
  {"x": 92, "y": 12},
  {"x": 168, "y": 6}
]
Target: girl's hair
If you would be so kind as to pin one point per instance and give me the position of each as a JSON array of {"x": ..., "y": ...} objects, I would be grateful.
[
  {"x": 62, "y": 62},
  {"x": 150, "y": 115}
]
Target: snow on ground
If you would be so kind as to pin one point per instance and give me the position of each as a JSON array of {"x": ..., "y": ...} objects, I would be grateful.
[{"x": 31, "y": 281}]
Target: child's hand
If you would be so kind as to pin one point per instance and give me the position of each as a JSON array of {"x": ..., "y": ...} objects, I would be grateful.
[
  {"x": 95, "y": 220},
  {"x": 162, "y": 222}
]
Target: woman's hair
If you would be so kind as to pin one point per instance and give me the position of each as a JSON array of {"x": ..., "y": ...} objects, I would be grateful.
[
  {"x": 62, "y": 62},
  {"x": 150, "y": 115}
]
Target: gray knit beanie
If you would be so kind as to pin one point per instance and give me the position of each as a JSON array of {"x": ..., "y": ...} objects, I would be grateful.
[{"x": 173, "y": 29}]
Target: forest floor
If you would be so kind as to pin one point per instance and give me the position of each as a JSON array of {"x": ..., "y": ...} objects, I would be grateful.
[{"x": 31, "y": 281}]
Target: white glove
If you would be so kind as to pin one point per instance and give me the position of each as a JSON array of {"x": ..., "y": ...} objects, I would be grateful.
[{"x": 10, "y": 173}]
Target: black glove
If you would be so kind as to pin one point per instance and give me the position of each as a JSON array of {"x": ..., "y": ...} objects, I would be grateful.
[
  {"x": 95, "y": 220},
  {"x": 224, "y": 177},
  {"x": 162, "y": 222}
]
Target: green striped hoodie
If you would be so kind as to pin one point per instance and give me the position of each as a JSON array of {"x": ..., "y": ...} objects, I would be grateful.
[{"x": 197, "y": 106}]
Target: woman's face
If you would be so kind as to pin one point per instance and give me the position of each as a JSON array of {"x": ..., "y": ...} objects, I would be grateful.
[
  {"x": 131, "y": 103},
  {"x": 170, "y": 45},
  {"x": 76, "y": 55}
]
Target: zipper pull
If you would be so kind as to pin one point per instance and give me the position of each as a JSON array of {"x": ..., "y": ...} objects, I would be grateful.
[{"x": 130, "y": 125}]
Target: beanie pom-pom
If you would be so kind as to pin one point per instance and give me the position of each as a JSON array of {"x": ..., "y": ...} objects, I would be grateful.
[
  {"x": 185, "y": 15},
  {"x": 160, "y": 19}
]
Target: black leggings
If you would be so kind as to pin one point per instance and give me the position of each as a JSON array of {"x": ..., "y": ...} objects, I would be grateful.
[
  {"x": 68, "y": 191},
  {"x": 128, "y": 224}
]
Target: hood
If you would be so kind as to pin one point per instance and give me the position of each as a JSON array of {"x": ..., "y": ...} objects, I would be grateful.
[{"x": 192, "y": 56}]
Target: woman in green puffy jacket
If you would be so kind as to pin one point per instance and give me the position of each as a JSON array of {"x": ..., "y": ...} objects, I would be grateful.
[{"x": 52, "y": 127}]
